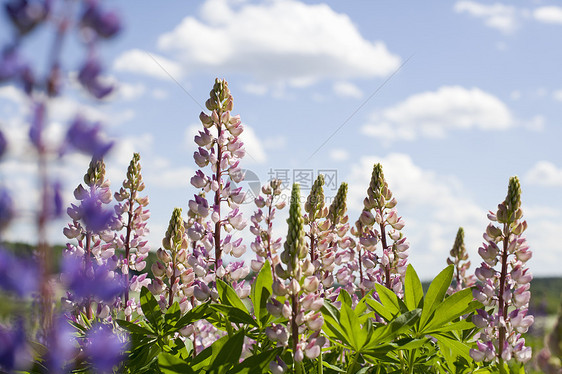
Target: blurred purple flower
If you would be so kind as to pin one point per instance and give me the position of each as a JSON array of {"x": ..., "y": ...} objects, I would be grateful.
[
  {"x": 104, "y": 349},
  {"x": 3, "y": 144},
  {"x": 25, "y": 15},
  {"x": 62, "y": 345},
  {"x": 91, "y": 280},
  {"x": 105, "y": 24},
  {"x": 6, "y": 208},
  {"x": 14, "y": 352},
  {"x": 18, "y": 275},
  {"x": 89, "y": 77},
  {"x": 86, "y": 137},
  {"x": 94, "y": 216},
  {"x": 10, "y": 64},
  {"x": 37, "y": 123},
  {"x": 57, "y": 199}
]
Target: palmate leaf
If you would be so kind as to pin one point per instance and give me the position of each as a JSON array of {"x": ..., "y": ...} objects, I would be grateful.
[
  {"x": 229, "y": 354},
  {"x": 234, "y": 314},
  {"x": 398, "y": 326}
]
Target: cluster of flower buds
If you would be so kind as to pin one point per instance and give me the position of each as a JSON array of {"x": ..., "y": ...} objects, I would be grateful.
[
  {"x": 265, "y": 245},
  {"x": 334, "y": 238},
  {"x": 174, "y": 277},
  {"x": 459, "y": 258},
  {"x": 295, "y": 295},
  {"x": 93, "y": 227},
  {"x": 379, "y": 209},
  {"x": 133, "y": 214},
  {"x": 221, "y": 148},
  {"x": 504, "y": 283}
]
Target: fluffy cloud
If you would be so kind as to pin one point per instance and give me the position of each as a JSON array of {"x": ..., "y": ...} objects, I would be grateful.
[
  {"x": 143, "y": 62},
  {"x": 544, "y": 173},
  {"x": 497, "y": 16},
  {"x": 548, "y": 14},
  {"x": 274, "y": 41},
  {"x": 432, "y": 114},
  {"x": 347, "y": 89},
  {"x": 434, "y": 206},
  {"x": 339, "y": 154}
]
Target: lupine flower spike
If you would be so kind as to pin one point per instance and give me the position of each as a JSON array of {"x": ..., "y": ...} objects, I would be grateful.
[
  {"x": 133, "y": 215},
  {"x": 459, "y": 258},
  {"x": 504, "y": 283}
]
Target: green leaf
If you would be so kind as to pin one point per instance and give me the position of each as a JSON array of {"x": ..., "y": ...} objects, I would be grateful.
[
  {"x": 172, "y": 316},
  {"x": 229, "y": 354},
  {"x": 261, "y": 290},
  {"x": 194, "y": 315},
  {"x": 170, "y": 364},
  {"x": 228, "y": 296},
  {"x": 331, "y": 324},
  {"x": 394, "y": 328},
  {"x": 389, "y": 299},
  {"x": 205, "y": 358},
  {"x": 452, "y": 349},
  {"x": 451, "y": 308},
  {"x": 351, "y": 327},
  {"x": 453, "y": 326},
  {"x": 257, "y": 364},
  {"x": 345, "y": 298},
  {"x": 234, "y": 314},
  {"x": 134, "y": 328},
  {"x": 436, "y": 293},
  {"x": 332, "y": 367},
  {"x": 380, "y": 310},
  {"x": 413, "y": 291},
  {"x": 150, "y": 308}
]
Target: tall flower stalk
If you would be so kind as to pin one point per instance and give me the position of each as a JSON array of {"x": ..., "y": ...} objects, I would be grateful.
[
  {"x": 379, "y": 222},
  {"x": 459, "y": 258},
  {"x": 133, "y": 215},
  {"x": 504, "y": 284}
]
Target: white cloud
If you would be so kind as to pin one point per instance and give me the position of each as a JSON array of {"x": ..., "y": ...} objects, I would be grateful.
[
  {"x": 548, "y": 14},
  {"x": 432, "y": 114},
  {"x": 557, "y": 95},
  {"x": 256, "y": 89},
  {"x": 159, "y": 94},
  {"x": 544, "y": 173},
  {"x": 252, "y": 144},
  {"x": 432, "y": 205},
  {"x": 339, "y": 154},
  {"x": 130, "y": 91},
  {"x": 497, "y": 16},
  {"x": 277, "y": 41},
  {"x": 143, "y": 62},
  {"x": 347, "y": 89}
]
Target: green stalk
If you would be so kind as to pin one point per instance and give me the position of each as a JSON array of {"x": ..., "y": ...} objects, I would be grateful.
[{"x": 320, "y": 366}]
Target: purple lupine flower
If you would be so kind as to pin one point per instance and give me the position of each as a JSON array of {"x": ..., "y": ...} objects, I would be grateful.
[
  {"x": 94, "y": 216},
  {"x": 37, "y": 124},
  {"x": 6, "y": 208},
  {"x": 3, "y": 144},
  {"x": 18, "y": 275},
  {"x": 89, "y": 78},
  {"x": 11, "y": 64},
  {"x": 104, "y": 24},
  {"x": 14, "y": 351},
  {"x": 26, "y": 15},
  {"x": 62, "y": 345},
  {"x": 86, "y": 137},
  {"x": 86, "y": 280},
  {"x": 104, "y": 348}
]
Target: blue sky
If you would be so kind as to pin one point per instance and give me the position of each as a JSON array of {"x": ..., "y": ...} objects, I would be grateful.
[{"x": 452, "y": 97}]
